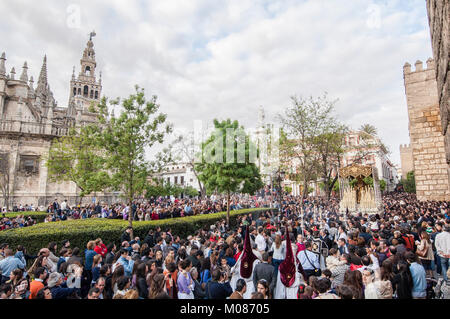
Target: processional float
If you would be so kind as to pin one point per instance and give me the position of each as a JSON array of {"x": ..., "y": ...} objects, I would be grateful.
[{"x": 357, "y": 196}]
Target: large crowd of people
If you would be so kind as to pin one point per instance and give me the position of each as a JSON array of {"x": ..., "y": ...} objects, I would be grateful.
[
  {"x": 305, "y": 250},
  {"x": 142, "y": 210}
]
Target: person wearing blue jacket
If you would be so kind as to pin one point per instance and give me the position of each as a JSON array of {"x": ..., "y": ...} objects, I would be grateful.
[
  {"x": 418, "y": 274},
  {"x": 89, "y": 254},
  {"x": 126, "y": 261},
  {"x": 8, "y": 264}
]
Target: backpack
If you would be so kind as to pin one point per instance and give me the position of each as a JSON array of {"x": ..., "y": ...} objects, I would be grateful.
[{"x": 409, "y": 242}]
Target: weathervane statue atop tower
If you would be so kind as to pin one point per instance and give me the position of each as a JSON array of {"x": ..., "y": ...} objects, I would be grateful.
[{"x": 91, "y": 35}]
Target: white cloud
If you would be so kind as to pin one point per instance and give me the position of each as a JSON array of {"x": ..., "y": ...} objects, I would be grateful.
[{"x": 207, "y": 59}]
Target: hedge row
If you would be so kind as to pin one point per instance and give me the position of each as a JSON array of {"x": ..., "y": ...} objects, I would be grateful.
[
  {"x": 79, "y": 232},
  {"x": 38, "y": 216}
]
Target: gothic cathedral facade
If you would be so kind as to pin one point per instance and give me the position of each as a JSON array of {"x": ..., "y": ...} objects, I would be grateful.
[{"x": 30, "y": 120}]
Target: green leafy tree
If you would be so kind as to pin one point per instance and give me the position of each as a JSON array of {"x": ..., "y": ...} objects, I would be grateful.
[
  {"x": 409, "y": 184},
  {"x": 190, "y": 191},
  {"x": 228, "y": 162},
  {"x": 288, "y": 189},
  {"x": 78, "y": 158},
  {"x": 311, "y": 138},
  {"x": 126, "y": 138},
  {"x": 382, "y": 185}
]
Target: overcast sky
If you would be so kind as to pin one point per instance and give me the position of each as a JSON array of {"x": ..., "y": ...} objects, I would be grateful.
[{"x": 208, "y": 59}]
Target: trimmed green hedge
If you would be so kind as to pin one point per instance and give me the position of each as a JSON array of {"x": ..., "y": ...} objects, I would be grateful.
[
  {"x": 79, "y": 232},
  {"x": 38, "y": 216}
]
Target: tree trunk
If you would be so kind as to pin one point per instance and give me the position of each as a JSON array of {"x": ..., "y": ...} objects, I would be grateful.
[
  {"x": 330, "y": 188},
  {"x": 305, "y": 189},
  {"x": 130, "y": 218},
  {"x": 228, "y": 209}
]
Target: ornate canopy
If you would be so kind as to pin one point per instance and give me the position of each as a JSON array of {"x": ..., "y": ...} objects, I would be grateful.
[{"x": 355, "y": 171}]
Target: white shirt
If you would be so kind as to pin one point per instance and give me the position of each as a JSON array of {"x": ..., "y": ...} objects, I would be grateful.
[
  {"x": 260, "y": 242},
  {"x": 343, "y": 235},
  {"x": 442, "y": 243},
  {"x": 279, "y": 253},
  {"x": 63, "y": 205}
]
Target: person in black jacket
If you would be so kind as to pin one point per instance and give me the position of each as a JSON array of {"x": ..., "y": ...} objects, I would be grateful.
[
  {"x": 218, "y": 288},
  {"x": 141, "y": 282},
  {"x": 199, "y": 292},
  {"x": 126, "y": 235},
  {"x": 111, "y": 248},
  {"x": 59, "y": 288},
  {"x": 149, "y": 239},
  {"x": 403, "y": 281}
]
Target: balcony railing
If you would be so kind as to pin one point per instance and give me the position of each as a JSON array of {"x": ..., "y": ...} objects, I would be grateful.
[{"x": 16, "y": 126}]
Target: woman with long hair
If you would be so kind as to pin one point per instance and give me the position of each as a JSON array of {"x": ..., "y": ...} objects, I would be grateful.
[
  {"x": 185, "y": 284},
  {"x": 141, "y": 280},
  {"x": 117, "y": 273},
  {"x": 16, "y": 278},
  {"x": 263, "y": 288},
  {"x": 279, "y": 252},
  {"x": 384, "y": 282},
  {"x": 96, "y": 264},
  {"x": 159, "y": 258},
  {"x": 52, "y": 247},
  {"x": 353, "y": 279},
  {"x": 169, "y": 259},
  {"x": 133, "y": 273},
  {"x": 214, "y": 258},
  {"x": 171, "y": 274},
  {"x": 403, "y": 281},
  {"x": 157, "y": 286},
  {"x": 425, "y": 252},
  {"x": 205, "y": 272},
  {"x": 40, "y": 261}
]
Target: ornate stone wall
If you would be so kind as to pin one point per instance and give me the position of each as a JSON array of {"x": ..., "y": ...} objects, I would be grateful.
[
  {"x": 439, "y": 21},
  {"x": 425, "y": 131}
]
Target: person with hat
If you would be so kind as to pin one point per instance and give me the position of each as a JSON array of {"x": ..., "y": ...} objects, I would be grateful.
[
  {"x": 59, "y": 288},
  {"x": 290, "y": 273},
  {"x": 245, "y": 266}
]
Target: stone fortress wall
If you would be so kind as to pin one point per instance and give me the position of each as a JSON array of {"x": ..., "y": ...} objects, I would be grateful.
[{"x": 425, "y": 130}]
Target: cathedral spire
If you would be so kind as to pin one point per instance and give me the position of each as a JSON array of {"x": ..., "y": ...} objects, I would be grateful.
[
  {"x": 42, "y": 82},
  {"x": 13, "y": 73},
  {"x": 2, "y": 64},
  {"x": 24, "y": 76},
  {"x": 31, "y": 85}
]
